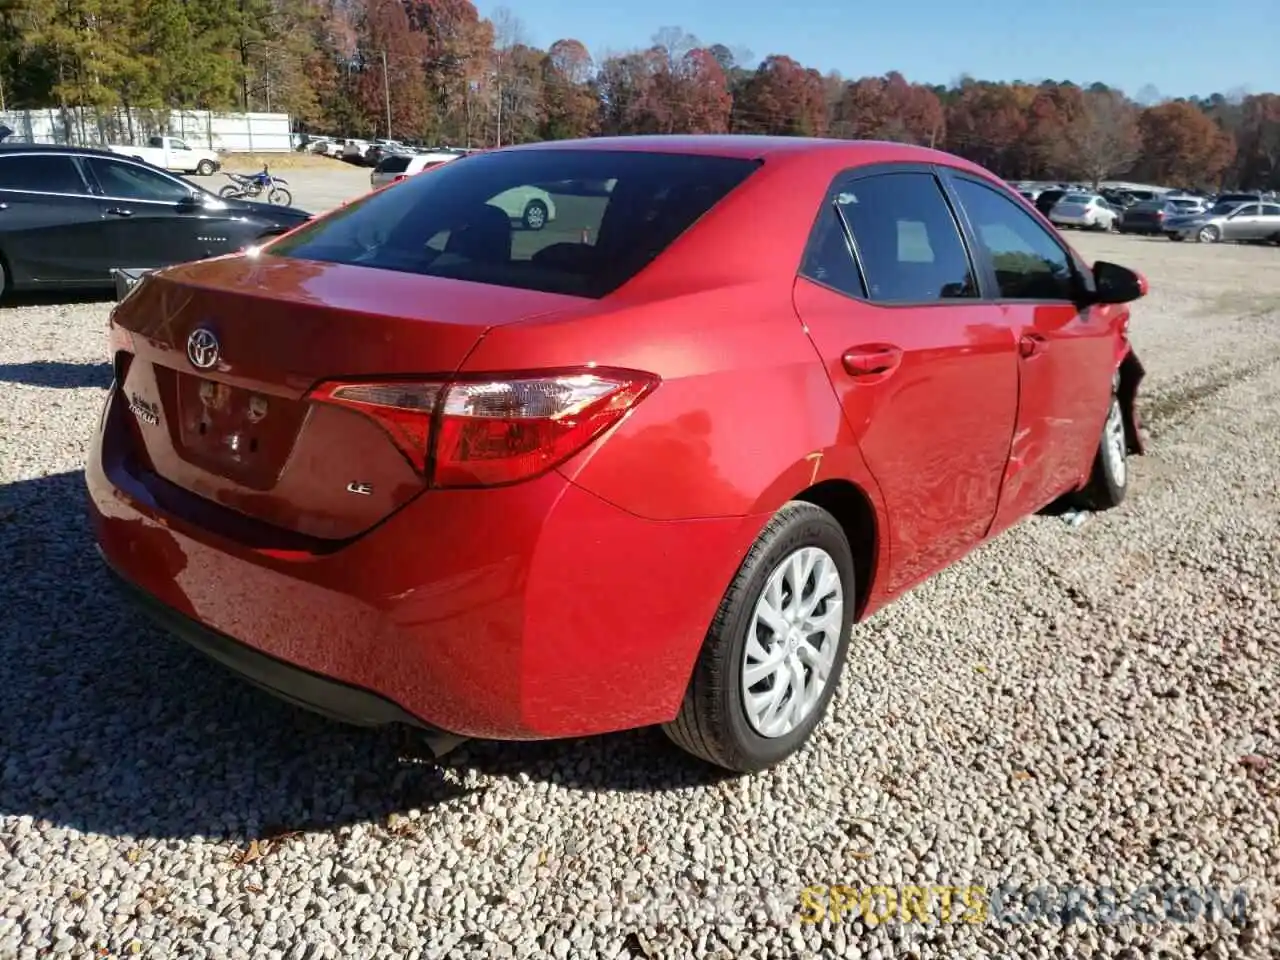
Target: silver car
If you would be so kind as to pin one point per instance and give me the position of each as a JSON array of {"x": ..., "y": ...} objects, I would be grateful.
[{"x": 1229, "y": 221}]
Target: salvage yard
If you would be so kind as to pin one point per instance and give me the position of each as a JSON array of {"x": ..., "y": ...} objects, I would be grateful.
[{"x": 1069, "y": 706}]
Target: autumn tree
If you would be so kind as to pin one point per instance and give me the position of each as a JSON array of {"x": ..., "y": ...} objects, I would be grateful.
[
  {"x": 986, "y": 122},
  {"x": 456, "y": 61},
  {"x": 1182, "y": 146},
  {"x": 1103, "y": 140},
  {"x": 889, "y": 108},
  {"x": 384, "y": 37},
  {"x": 1260, "y": 139},
  {"x": 570, "y": 102},
  {"x": 782, "y": 98}
]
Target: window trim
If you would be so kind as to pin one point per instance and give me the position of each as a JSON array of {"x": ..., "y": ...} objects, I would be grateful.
[
  {"x": 1084, "y": 276},
  {"x": 84, "y": 180},
  {"x": 852, "y": 175}
]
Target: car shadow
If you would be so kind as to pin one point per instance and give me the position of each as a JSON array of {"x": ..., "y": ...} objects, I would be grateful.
[
  {"x": 111, "y": 726},
  {"x": 53, "y": 298},
  {"x": 52, "y": 373}
]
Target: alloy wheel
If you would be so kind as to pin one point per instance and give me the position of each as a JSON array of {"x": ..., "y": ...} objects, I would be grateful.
[{"x": 792, "y": 641}]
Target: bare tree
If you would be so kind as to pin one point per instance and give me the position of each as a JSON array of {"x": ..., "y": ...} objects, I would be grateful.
[
  {"x": 1105, "y": 139},
  {"x": 508, "y": 33}
]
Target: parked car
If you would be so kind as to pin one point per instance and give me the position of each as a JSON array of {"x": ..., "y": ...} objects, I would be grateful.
[
  {"x": 70, "y": 215},
  {"x": 355, "y": 151},
  {"x": 1046, "y": 199},
  {"x": 655, "y": 476},
  {"x": 1258, "y": 222},
  {"x": 1083, "y": 210},
  {"x": 1146, "y": 217},
  {"x": 170, "y": 153},
  {"x": 401, "y": 166}
]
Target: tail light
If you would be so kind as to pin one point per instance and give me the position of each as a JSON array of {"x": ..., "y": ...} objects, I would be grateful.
[
  {"x": 480, "y": 433},
  {"x": 398, "y": 177}
]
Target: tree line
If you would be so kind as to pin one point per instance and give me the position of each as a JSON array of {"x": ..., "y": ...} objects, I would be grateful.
[{"x": 440, "y": 73}]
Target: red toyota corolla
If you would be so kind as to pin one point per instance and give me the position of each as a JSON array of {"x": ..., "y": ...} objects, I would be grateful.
[{"x": 413, "y": 463}]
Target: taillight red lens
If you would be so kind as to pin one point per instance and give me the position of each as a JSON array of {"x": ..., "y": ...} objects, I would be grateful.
[
  {"x": 398, "y": 177},
  {"x": 496, "y": 431}
]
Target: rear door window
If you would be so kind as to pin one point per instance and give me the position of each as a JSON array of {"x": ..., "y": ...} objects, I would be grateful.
[
  {"x": 129, "y": 181},
  {"x": 906, "y": 239},
  {"x": 498, "y": 218},
  {"x": 41, "y": 173}
]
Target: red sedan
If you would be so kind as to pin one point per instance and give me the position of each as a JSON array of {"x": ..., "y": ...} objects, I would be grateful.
[{"x": 413, "y": 463}]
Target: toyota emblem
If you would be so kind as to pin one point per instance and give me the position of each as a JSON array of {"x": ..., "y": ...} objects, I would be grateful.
[{"x": 202, "y": 348}]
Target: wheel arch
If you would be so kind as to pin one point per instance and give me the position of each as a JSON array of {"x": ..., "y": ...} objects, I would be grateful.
[
  {"x": 1131, "y": 372},
  {"x": 854, "y": 511}
]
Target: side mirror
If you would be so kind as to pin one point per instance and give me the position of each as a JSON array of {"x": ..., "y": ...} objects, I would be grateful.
[
  {"x": 192, "y": 201},
  {"x": 1116, "y": 284}
]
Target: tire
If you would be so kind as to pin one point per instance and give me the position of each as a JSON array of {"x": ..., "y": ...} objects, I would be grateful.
[
  {"x": 4, "y": 279},
  {"x": 1109, "y": 479},
  {"x": 280, "y": 197},
  {"x": 230, "y": 191},
  {"x": 1209, "y": 234},
  {"x": 205, "y": 168},
  {"x": 535, "y": 215},
  {"x": 713, "y": 722}
]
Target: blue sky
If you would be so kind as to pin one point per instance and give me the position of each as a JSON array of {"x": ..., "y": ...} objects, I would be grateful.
[{"x": 1191, "y": 47}]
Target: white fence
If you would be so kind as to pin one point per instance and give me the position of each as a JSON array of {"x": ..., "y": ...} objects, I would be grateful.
[{"x": 240, "y": 132}]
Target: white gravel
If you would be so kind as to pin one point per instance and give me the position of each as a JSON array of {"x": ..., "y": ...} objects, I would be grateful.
[{"x": 1067, "y": 706}]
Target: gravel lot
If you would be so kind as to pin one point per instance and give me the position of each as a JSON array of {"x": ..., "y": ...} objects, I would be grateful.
[{"x": 1089, "y": 706}]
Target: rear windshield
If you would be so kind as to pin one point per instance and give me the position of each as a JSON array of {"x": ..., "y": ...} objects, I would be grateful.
[
  {"x": 392, "y": 164},
  {"x": 1149, "y": 205},
  {"x": 509, "y": 218},
  {"x": 1076, "y": 198}
]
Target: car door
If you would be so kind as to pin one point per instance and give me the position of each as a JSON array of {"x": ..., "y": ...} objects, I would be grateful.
[
  {"x": 926, "y": 372},
  {"x": 151, "y": 219},
  {"x": 1242, "y": 223},
  {"x": 1269, "y": 222},
  {"x": 1066, "y": 352},
  {"x": 48, "y": 219}
]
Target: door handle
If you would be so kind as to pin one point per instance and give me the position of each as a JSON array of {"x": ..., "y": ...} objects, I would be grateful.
[
  {"x": 119, "y": 212},
  {"x": 4, "y": 206},
  {"x": 872, "y": 359},
  {"x": 1031, "y": 343}
]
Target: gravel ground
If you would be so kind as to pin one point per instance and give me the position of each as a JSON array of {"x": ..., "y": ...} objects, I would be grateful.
[{"x": 1069, "y": 706}]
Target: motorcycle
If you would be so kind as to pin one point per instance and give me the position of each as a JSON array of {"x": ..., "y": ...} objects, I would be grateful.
[{"x": 251, "y": 186}]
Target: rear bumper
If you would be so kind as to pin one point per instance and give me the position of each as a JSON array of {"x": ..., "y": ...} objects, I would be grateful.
[
  {"x": 524, "y": 612},
  {"x": 340, "y": 701}
]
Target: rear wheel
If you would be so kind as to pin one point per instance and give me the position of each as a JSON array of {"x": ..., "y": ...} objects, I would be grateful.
[
  {"x": 535, "y": 215},
  {"x": 205, "y": 168},
  {"x": 773, "y": 655},
  {"x": 280, "y": 196},
  {"x": 229, "y": 191}
]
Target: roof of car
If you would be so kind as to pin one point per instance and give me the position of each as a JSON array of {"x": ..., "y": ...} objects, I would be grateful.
[
  {"x": 54, "y": 148},
  {"x": 746, "y": 146}
]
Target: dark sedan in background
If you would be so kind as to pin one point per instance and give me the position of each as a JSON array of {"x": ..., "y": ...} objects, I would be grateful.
[{"x": 69, "y": 216}]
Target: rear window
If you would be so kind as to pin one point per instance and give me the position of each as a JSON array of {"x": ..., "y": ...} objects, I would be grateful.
[
  {"x": 1076, "y": 198},
  {"x": 501, "y": 218},
  {"x": 1148, "y": 205},
  {"x": 393, "y": 164}
]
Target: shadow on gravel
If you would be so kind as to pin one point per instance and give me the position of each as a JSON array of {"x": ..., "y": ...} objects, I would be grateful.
[
  {"x": 54, "y": 373},
  {"x": 110, "y": 726}
]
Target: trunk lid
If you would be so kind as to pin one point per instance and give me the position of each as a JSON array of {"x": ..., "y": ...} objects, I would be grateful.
[{"x": 240, "y": 431}]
